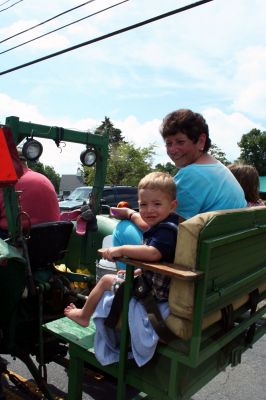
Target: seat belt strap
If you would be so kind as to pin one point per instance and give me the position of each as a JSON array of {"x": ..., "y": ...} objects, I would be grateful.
[
  {"x": 156, "y": 319},
  {"x": 151, "y": 307},
  {"x": 254, "y": 298},
  {"x": 114, "y": 314}
]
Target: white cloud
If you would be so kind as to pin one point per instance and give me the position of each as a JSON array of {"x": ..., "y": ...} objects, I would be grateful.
[
  {"x": 141, "y": 134},
  {"x": 226, "y": 130},
  {"x": 11, "y": 106},
  {"x": 252, "y": 99},
  {"x": 64, "y": 159},
  {"x": 250, "y": 77}
]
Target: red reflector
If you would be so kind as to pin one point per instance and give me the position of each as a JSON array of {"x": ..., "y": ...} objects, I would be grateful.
[{"x": 8, "y": 175}]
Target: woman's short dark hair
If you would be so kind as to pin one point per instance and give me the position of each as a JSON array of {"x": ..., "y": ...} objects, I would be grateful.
[{"x": 188, "y": 122}]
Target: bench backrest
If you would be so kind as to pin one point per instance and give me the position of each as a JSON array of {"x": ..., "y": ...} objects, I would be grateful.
[{"x": 230, "y": 248}]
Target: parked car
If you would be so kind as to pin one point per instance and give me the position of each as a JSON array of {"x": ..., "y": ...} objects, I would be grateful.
[
  {"x": 60, "y": 197},
  {"x": 112, "y": 195}
]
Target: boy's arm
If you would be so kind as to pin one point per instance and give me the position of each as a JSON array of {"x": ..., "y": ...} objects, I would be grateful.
[
  {"x": 141, "y": 252},
  {"x": 128, "y": 213}
]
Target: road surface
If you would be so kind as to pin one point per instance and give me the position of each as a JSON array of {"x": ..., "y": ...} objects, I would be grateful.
[{"x": 247, "y": 381}]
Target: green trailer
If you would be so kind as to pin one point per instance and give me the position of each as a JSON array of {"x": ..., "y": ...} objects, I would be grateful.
[
  {"x": 217, "y": 308},
  {"x": 216, "y": 303}
]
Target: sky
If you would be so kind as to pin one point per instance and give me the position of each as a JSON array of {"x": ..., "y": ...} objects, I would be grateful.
[{"x": 211, "y": 59}]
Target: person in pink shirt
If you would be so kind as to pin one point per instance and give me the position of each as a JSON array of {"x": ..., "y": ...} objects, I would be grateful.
[{"x": 37, "y": 199}]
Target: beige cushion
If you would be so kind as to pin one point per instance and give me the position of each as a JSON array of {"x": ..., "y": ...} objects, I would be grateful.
[{"x": 181, "y": 295}]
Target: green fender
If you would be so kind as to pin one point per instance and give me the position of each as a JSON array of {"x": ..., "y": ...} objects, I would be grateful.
[{"x": 82, "y": 250}]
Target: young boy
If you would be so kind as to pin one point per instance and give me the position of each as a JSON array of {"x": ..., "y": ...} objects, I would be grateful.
[{"x": 157, "y": 204}]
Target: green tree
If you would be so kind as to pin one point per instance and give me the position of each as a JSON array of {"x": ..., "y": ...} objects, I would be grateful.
[
  {"x": 126, "y": 165},
  {"x": 216, "y": 152},
  {"x": 48, "y": 171},
  {"x": 168, "y": 167},
  {"x": 115, "y": 134},
  {"x": 253, "y": 150}
]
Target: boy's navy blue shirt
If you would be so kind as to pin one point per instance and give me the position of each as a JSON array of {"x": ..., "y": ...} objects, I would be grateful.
[{"x": 163, "y": 237}]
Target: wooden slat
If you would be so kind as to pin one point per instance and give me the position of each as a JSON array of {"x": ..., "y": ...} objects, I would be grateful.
[{"x": 169, "y": 269}]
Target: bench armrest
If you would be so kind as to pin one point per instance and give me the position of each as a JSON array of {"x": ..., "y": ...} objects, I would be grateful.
[{"x": 169, "y": 269}]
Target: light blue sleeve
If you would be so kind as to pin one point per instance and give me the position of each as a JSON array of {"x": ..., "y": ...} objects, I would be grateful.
[
  {"x": 126, "y": 232},
  {"x": 189, "y": 195}
]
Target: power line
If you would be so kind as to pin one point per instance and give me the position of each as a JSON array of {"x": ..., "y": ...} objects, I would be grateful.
[
  {"x": 108, "y": 35},
  {"x": 64, "y": 26},
  {"x": 47, "y": 20},
  {"x": 7, "y": 1},
  {"x": 4, "y": 9}
]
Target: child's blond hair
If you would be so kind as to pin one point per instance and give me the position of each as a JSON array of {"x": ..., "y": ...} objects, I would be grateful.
[{"x": 159, "y": 181}]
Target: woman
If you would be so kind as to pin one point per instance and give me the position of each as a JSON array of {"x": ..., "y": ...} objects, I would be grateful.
[{"x": 203, "y": 183}]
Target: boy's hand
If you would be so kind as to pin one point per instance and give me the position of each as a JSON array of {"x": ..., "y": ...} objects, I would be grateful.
[
  {"x": 137, "y": 272},
  {"x": 122, "y": 273},
  {"x": 120, "y": 212},
  {"x": 111, "y": 253}
]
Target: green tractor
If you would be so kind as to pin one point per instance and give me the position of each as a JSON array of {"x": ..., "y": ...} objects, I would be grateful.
[{"x": 33, "y": 290}]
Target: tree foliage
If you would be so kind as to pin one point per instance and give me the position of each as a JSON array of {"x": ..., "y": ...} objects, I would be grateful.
[
  {"x": 216, "y": 152},
  {"x": 168, "y": 167},
  {"x": 115, "y": 134},
  {"x": 126, "y": 165},
  {"x": 48, "y": 171},
  {"x": 253, "y": 150}
]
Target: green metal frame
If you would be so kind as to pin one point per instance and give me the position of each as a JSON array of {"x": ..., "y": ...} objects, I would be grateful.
[
  {"x": 12, "y": 210},
  {"x": 21, "y": 130},
  {"x": 15, "y": 323}
]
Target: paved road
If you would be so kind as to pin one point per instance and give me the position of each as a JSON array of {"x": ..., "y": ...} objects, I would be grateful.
[{"x": 247, "y": 381}]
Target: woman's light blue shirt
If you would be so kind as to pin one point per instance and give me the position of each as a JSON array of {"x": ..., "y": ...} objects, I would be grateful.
[{"x": 207, "y": 187}]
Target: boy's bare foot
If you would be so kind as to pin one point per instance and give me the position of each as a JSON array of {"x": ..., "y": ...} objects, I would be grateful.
[{"x": 75, "y": 314}]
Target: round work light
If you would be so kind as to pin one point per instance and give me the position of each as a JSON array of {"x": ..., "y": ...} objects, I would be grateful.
[
  {"x": 32, "y": 149},
  {"x": 88, "y": 157}
]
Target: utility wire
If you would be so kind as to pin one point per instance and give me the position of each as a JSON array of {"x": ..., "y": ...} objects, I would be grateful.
[
  {"x": 64, "y": 26},
  {"x": 7, "y": 1},
  {"x": 4, "y": 9},
  {"x": 108, "y": 35},
  {"x": 47, "y": 20}
]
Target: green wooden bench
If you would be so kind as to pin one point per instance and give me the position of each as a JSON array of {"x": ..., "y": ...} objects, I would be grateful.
[{"x": 218, "y": 277}]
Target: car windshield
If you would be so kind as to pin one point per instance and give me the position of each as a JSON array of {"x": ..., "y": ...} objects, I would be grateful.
[{"x": 80, "y": 194}]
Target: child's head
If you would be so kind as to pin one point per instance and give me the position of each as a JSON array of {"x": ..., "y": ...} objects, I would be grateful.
[
  {"x": 157, "y": 197},
  {"x": 248, "y": 177}
]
